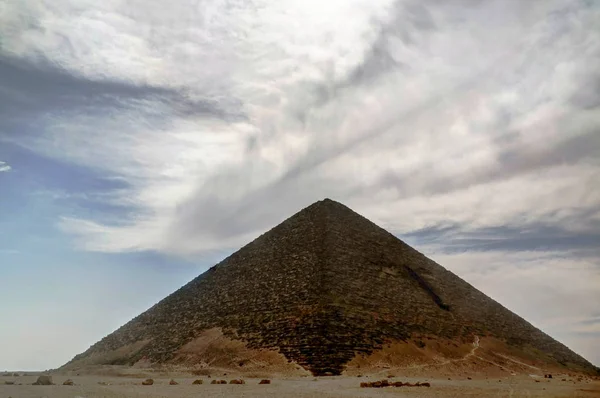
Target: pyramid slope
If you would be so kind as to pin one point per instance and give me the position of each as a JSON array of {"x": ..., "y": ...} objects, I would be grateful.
[{"x": 321, "y": 287}]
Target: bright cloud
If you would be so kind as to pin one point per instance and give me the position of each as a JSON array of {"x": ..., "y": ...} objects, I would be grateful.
[
  {"x": 4, "y": 167},
  {"x": 442, "y": 109}
]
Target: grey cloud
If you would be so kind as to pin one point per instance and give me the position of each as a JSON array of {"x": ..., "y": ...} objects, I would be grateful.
[
  {"x": 570, "y": 151},
  {"x": 588, "y": 94},
  {"x": 215, "y": 208},
  {"x": 593, "y": 320},
  {"x": 533, "y": 236},
  {"x": 296, "y": 187},
  {"x": 379, "y": 61},
  {"x": 28, "y": 91},
  {"x": 324, "y": 150},
  {"x": 206, "y": 211},
  {"x": 512, "y": 160},
  {"x": 410, "y": 18},
  {"x": 527, "y": 238},
  {"x": 209, "y": 210}
]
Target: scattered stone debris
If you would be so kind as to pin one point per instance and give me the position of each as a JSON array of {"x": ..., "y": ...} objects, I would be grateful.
[
  {"x": 386, "y": 383},
  {"x": 198, "y": 381},
  {"x": 218, "y": 382},
  {"x": 173, "y": 383},
  {"x": 9, "y": 382},
  {"x": 68, "y": 382},
  {"x": 264, "y": 381},
  {"x": 548, "y": 376},
  {"x": 148, "y": 382},
  {"x": 43, "y": 381},
  {"x": 468, "y": 378},
  {"x": 375, "y": 384},
  {"x": 237, "y": 381}
]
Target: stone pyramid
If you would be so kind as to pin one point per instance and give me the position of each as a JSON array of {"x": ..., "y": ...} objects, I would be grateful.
[{"x": 320, "y": 288}]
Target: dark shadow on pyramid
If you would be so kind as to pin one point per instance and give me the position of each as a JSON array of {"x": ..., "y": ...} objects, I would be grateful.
[{"x": 321, "y": 288}]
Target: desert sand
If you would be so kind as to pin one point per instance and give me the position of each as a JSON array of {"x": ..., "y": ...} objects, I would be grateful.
[
  {"x": 480, "y": 368},
  {"x": 88, "y": 386}
]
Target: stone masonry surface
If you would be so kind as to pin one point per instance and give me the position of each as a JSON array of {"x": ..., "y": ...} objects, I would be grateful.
[{"x": 321, "y": 287}]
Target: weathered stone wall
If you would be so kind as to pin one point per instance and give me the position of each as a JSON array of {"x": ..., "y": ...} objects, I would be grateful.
[
  {"x": 321, "y": 287},
  {"x": 267, "y": 293},
  {"x": 392, "y": 291}
]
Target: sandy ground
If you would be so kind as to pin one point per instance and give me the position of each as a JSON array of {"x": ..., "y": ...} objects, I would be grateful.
[
  {"x": 300, "y": 387},
  {"x": 482, "y": 367}
]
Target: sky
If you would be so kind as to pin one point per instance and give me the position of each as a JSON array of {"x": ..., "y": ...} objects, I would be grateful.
[{"x": 140, "y": 144}]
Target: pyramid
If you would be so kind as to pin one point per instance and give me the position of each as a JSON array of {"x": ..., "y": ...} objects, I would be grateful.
[{"x": 321, "y": 288}]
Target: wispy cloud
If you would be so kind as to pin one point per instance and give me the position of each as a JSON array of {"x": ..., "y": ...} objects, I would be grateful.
[
  {"x": 397, "y": 123},
  {"x": 4, "y": 167}
]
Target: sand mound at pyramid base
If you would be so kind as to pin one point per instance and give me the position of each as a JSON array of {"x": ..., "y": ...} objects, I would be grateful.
[
  {"x": 117, "y": 357},
  {"x": 428, "y": 356},
  {"x": 213, "y": 353},
  {"x": 211, "y": 349},
  {"x": 210, "y": 353}
]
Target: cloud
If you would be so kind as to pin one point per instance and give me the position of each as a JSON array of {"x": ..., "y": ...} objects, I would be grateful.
[
  {"x": 4, "y": 167},
  {"x": 30, "y": 90},
  {"x": 386, "y": 116}
]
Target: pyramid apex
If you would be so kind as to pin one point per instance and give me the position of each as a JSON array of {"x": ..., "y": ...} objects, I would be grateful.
[
  {"x": 327, "y": 204},
  {"x": 329, "y": 201}
]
